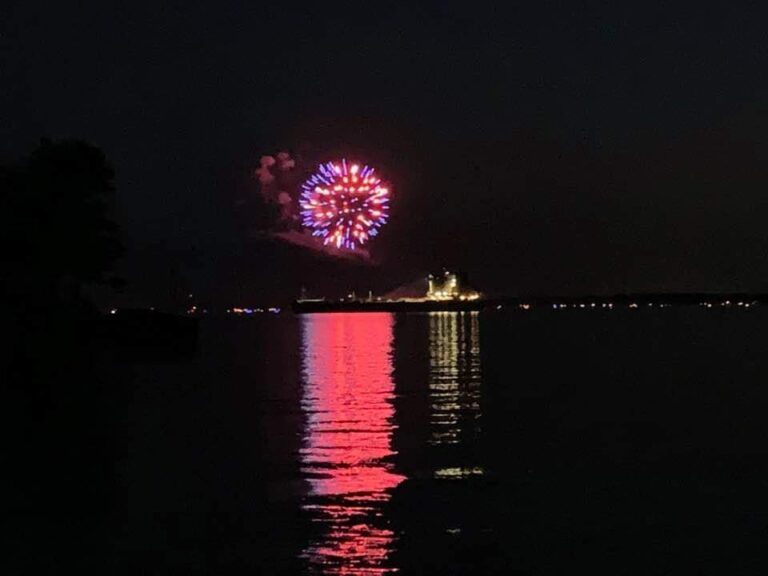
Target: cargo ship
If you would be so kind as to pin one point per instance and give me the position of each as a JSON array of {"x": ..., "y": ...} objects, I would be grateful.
[
  {"x": 443, "y": 292},
  {"x": 320, "y": 305}
]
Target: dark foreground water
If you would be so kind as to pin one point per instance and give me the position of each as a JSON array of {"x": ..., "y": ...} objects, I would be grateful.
[{"x": 532, "y": 442}]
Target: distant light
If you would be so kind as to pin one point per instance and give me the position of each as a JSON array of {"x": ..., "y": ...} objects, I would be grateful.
[
  {"x": 458, "y": 473},
  {"x": 113, "y": 311}
]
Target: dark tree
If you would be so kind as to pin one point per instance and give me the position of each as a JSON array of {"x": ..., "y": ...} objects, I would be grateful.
[{"x": 55, "y": 234}]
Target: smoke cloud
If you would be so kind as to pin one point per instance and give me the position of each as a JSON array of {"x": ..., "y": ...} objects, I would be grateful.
[{"x": 277, "y": 181}]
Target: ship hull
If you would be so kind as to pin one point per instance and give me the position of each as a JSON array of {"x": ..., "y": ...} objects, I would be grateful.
[{"x": 320, "y": 306}]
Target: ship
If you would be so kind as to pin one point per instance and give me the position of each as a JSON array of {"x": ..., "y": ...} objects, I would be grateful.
[
  {"x": 321, "y": 305},
  {"x": 444, "y": 292}
]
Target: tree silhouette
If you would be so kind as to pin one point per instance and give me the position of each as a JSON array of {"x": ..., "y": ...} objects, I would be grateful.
[{"x": 55, "y": 234}]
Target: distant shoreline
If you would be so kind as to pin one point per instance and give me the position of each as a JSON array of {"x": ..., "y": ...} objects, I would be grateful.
[{"x": 631, "y": 301}]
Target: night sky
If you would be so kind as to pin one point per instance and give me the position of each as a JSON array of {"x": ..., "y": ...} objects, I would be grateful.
[{"x": 541, "y": 147}]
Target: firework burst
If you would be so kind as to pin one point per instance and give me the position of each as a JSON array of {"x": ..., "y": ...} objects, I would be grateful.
[{"x": 344, "y": 204}]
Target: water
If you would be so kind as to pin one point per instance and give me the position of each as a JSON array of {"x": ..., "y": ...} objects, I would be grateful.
[
  {"x": 347, "y": 453},
  {"x": 535, "y": 442}
]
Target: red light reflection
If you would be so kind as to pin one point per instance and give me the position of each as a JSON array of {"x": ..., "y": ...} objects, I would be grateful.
[{"x": 348, "y": 392}]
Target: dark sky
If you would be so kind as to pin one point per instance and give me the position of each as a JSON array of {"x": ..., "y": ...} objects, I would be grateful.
[{"x": 542, "y": 147}]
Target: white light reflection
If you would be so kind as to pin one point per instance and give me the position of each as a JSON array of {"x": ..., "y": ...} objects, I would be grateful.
[{"x": 454, "y": 383}]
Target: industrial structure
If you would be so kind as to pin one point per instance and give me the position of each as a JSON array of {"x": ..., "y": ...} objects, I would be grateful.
[{"x": 448, "y": 287}]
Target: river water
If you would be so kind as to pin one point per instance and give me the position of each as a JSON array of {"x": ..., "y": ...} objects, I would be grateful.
[{"x": 534, "y": 442}]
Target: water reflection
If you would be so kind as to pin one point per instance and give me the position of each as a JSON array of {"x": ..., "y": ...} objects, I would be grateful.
[
  {"x": 454, "y": 385},
  {"x": 347, "y": 399}
]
